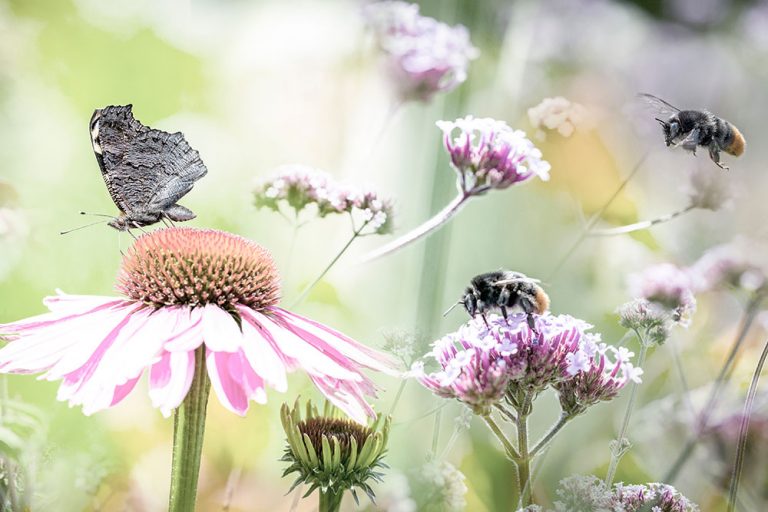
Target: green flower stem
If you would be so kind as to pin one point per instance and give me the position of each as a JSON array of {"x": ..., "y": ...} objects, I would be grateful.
[
  {"x": 645, "y": 224},
  {"x": 621, "y": 443},
  {"x": 722, "y": 378},
  {"x": 524, "y": 464},
  {"x": 188, "y": 430},
  {"x": 744, "y": 429},
  {"x": 330, "y": 502},
  {"x": 300, "y": 298},
  {"x": 508, "y": 447},
  {"x": 549, "y": 436}
]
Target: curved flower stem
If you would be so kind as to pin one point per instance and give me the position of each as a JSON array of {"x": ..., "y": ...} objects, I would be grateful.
[
  {"x": 637, "y": 226},
  {"x": 303, "y": 295},
  {"x": 188, "y": 430},
  {"x": 743, "y": 429},
  {"x": 431, "y": 225},
  {"x": 549, "y": 436},
  {"x": 397, "y": 397},
  {"x": 622, "y": 444},
  {"x": 330, "y": 502},
  {"x": 508, "y": 447},
  {"x": 595, "y": 217},
  {"x": 753, "y": 307}
]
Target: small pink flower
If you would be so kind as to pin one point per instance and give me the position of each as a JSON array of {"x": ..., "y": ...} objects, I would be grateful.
[
  {"x": 188, "y": 289},
  {"x": 670, "y": 287}
]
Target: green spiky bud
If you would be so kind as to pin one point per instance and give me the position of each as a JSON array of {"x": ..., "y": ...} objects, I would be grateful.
[{"x": 332, "y": 453}]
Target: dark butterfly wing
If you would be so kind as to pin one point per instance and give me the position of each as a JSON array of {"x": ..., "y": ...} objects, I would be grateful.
[
  {"x": 144, "y": 169},
  {"x": 658, "y": 105}
]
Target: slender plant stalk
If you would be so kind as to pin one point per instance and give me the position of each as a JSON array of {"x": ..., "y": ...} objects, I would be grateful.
[
  {"x": 188, "y": 431},
  {"x": 436, "y": 431},
  {"x": 524, "y": 464},
  {"x": 330, "y": 502},
  {"x": 645, "y": 224},
  {"x": 330, "y": 265},
  {"x": 595, "y": 217},
  {"x": 505, "y": 442},
  {"x": 550, "y": 435},
  {"x": 428, "y": 227},
  {"x": 744, "y": 429},
  {"x": 399, "y": 394},
  {"x": 722, "y": 378},
  {"x": 620, "y": 448}
]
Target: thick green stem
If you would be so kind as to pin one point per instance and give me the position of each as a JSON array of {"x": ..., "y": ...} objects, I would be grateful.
[
  {"x": 505, "y": 442},
  {"x": 188, "y": 431},
  {"x": 524, "y": 465},
  {"x": 330, "y": 502},
  {"x": 622, "y": 444}
]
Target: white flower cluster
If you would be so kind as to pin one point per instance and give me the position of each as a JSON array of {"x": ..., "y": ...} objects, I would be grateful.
[{"x": 559, "y": 114}]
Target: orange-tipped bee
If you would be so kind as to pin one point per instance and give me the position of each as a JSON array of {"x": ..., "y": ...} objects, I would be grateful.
[{"x": 693, "y": 128}]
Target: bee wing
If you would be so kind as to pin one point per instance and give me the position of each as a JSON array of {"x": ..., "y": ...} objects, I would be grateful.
[
  {"x": 658, "y": 105},
  {"x": 516, "y": 280}
]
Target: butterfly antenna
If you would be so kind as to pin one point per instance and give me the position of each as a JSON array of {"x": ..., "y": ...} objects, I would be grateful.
[
  {"x": 97, "y": 214},
  {"x": 451, "y": 308},
  {"x": 81, "y": 227}
]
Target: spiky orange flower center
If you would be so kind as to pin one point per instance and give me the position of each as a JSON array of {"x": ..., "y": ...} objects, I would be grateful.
[{"x": 194, "y": 267}]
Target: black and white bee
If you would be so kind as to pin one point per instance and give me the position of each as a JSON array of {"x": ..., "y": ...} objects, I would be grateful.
[
  {"x": 694, "y": 128},
  {"x": 504, "y": 290}
]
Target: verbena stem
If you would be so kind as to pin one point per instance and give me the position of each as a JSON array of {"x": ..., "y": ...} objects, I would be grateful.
[
  {"x": 421, "y": 231},
  {"x": 744, "y": 429},
  {"x": 524, "y": 464},
  {"x": 621, "y": 445},
  {"x": 722, "y": 378},
  {"x": 550, "y": 435},
  {"x": 188, "y": 431},
  {"x": 637, "y": 226}
]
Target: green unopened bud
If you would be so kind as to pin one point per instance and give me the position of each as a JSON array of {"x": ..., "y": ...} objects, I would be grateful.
[{"x": 332, "y": 453}]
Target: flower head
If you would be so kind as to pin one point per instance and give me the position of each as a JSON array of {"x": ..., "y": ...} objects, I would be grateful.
[
  {"x": 424, "y": 56},
  {"x": 646, "y": 317},
  {"x": 188, "y": 289},
  {"x": 479, "y": 363},
  {"x": 653, "y": 496},
  {"x": 333, "y": 453},
  {"x": 487, "y": 154},
  {"x": 300, "y": 187},
  {"x": 444, "y": 484},
  {"x": 670, "y": 287},
  {"x": 740, "y": 264},
  {"x": 559, "y": 114}
]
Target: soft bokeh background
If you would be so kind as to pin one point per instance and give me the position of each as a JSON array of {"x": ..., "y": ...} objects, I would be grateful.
[{"x": 254, "y": 85}]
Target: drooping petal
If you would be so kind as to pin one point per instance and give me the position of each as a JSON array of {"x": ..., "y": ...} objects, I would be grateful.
[
  {"x": 191, "y": 336},
  {"x": 263, "y": 357},
  {"x": 170, "y": 379},
  {"x": 298, "y": 352},
  {"x": 234, "y": 381},
  {"x": 346, "y": 397},
  {"x": 220, "y": 331},
  {"x": 347, "y": 347}
]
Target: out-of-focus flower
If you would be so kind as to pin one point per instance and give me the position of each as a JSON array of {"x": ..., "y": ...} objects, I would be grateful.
[
  {"x": 740, "y": 263},
  {"x": 188, "y": 290},
  {"x": 600, "y": 380},
  {"x": 479, "y": 363},
  {"x": 424, "y": 56},
  {"x": 300, "y": 187},
  {"x": 709, "y": 190},
  {"x": 669, "y": 286},
  {"x": 444, "y": 486},
  {"x": 13, "y": 227},
  {"x": 331, "y": 453},
  {"x": 580, "y": 493},
  {"x": 646, "y": 318},
  {"x": 394, "y": 494},
  {"x": 559, "y": 114},
  {"x": 487, "y": 154}
]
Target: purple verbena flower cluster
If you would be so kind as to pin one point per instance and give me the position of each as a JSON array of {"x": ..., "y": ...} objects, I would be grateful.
[
  {"x": 424, "y": 56},
  {"x": 740, "y": 264},
  {"x": 657, "y": 497},
  {"x": 488, "y": 154},
  {"x": 669, "y": 286},
  {"x": 481, "y": 363},
  {"x": 300, "y": 186}
]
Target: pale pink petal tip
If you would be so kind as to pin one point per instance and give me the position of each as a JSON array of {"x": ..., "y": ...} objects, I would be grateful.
[{"x": 234, "y": 381}]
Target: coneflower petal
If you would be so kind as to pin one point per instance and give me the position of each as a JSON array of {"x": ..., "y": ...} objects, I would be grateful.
[{"x": 170, "y": 379}]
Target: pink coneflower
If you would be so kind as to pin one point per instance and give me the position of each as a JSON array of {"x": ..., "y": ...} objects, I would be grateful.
[{"x": 187, "y": 289}]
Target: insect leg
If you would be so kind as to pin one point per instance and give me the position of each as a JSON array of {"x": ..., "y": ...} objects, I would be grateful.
[
  {"x": 690, "y": 142},
  {"x": 714, "y": 154},
  {"x": 504, "y": 313}
]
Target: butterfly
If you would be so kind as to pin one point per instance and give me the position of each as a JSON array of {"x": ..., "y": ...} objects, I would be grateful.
[{"x": 146, "y": 170}]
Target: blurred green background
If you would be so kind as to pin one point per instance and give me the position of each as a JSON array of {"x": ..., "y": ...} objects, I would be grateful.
[{"x": 254, "y": 85}]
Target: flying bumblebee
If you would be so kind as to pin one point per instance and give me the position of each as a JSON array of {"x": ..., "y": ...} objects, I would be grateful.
[
  {"x": 502, "y": 290},
  {"x": 693, "y": 128}
]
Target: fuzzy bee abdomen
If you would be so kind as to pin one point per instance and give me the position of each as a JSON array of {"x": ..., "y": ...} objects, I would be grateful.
[{"x": 737, "y": 144}]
